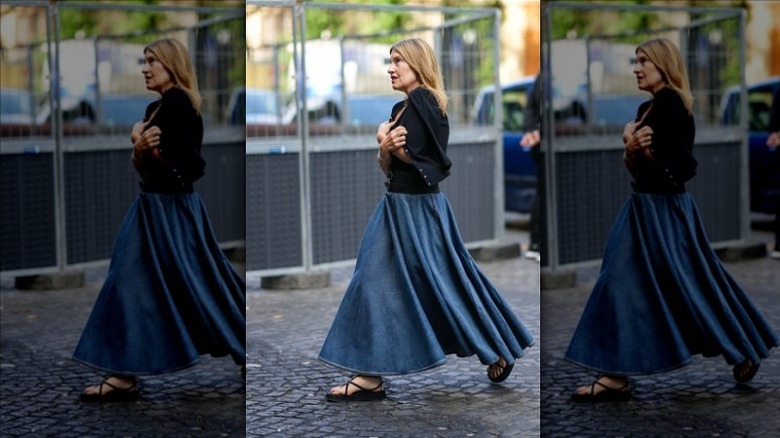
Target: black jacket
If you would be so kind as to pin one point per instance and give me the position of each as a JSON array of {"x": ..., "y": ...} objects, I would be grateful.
[
  {"x": 672, "y": 145},
  {"x": 428, "y": 131},
  {"x": 180, "y": 143}
]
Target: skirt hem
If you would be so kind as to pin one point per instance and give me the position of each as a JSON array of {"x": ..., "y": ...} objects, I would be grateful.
[
  {"x": 631, "y": 373},
  {"x": 384, "y": 373},
  {"x": 141, "y": 373}
]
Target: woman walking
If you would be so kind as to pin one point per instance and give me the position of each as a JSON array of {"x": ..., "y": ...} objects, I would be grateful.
[
  {"x": 662, "y": 294},
  {"x": 416, "y": 294},
  {"x": 170, "y": 294}
]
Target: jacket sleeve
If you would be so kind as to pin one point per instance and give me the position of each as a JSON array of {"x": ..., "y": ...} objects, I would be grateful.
[{"x": 427, "y": 135}]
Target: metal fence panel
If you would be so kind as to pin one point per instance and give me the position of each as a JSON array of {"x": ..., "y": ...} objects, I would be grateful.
[
  {"x": 327, "y": 166},
  {"x": 67, "y": 187},
  {"x": 592, "y": 186},
  {"x": 593, "y": 95},
  {"x": 27, "y": 212},
  {"x": 273, "y": 212},
  {"x": 99, "y": 186}
]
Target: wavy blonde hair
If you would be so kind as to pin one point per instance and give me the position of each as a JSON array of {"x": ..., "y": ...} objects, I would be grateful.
[
  {"x": 667, "y": 59},
  {"x": 422, "y": 60},
  {"x": 176, "y": 59}
]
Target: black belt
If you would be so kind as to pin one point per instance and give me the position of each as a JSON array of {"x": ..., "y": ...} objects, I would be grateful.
[
  {"x": 403, "y": 182},
  {"x": 170, "y": 188}
]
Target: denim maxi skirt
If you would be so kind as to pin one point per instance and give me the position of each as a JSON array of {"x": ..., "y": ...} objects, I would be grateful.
[
  {"x": 663, "y": 296},
  {"x": 417, "y": 295},
  {"x": 170, "y": 294}
]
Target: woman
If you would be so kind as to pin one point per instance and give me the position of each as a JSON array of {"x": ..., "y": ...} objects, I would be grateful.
[
  {"x": 170, "y": 294},
  {"x": 662, "y": 294},
  {"x": 416, "y": 294}
]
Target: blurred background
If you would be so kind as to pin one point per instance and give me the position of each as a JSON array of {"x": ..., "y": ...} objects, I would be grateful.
[
  {"x": 731, "y": 53},
  {"x": 70, "y": 90}
]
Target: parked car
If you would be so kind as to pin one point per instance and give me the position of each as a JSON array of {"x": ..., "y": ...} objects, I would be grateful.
[
  {"x": 363, "y": 115},
  {"x": 80, "y": 114},
  {"x": 363, "y": 110},
  {"x": 16, "y": 107},
  {"x": 764, "y": 163},
  {"x": 519, "y": 169},
  {"x": 17, "y": 113},
  {"x": 610, "y": 114},
  {"x": 122, "y": 111}
]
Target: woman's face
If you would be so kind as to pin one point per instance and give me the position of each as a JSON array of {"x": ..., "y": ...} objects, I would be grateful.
[
  {"x": 156, "y": 76},
  {"x": 402, "y": 77},
  {"x": 648, "y": 77}
]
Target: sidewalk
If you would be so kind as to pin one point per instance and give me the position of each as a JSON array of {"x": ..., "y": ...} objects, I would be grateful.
[
  {"x": 699, "y": 400},
  {"x": 40, "y": 383},
  {"x": 286, "y": 384}
]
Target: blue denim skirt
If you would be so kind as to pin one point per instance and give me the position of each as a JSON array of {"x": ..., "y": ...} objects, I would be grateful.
[
  {"x": 170, "y": 294},
  {"x": 663, "y": 296},
  {"x": 417, "y": 295}
]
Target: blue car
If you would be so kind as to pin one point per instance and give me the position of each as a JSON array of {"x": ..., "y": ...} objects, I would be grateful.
[
  {"x": 519, "y": 169},
  {"x": 764, "y": 163}
]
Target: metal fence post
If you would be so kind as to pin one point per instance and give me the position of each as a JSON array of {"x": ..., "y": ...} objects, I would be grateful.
[{"x": 55, "y": 80}]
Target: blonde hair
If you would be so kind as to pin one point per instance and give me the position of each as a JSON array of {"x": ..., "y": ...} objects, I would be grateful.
[
  {"x": 421, "y": 59},
  {"x": 174, "y": 57},
  {"x": 667, "y": 59}
]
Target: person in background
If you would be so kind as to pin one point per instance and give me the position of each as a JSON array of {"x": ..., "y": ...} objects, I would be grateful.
[
  {"x": 773, "y": 142},
  {"x": 532, "y": 140},
  {"x": 170, "y": 294}
]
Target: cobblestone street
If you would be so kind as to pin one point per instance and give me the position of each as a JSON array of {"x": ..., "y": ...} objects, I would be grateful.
[
  {"x": 40, "y": 382},
  {"x": 699, "y": 400},
  {"x": 286, "y": 384}
]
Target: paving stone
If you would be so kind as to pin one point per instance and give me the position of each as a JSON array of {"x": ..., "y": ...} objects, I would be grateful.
[
  {"x": 699, "y": 400},
  {"x": 40, "y": 383},
  {"x": 285, "y": 331}
]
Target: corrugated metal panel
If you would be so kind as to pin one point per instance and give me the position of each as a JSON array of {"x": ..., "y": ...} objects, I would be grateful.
[
  {"x": 27, "y": 212},
  {"x": 273, "y": 212}
]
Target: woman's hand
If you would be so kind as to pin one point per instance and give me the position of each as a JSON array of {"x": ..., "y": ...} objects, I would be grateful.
[
  {"x": 381, "y": 133},
  {"x": 774, "y": 140},
  {"x": 146, "y": 140},
  {"x": 640, "y": 142},
  {"x": 628, "y": 131},
  {"x": 138, "y": 129},
  {"x": 393, "y": 140}
]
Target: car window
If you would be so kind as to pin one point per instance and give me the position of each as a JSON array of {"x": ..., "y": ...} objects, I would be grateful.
[
  {"x": 514, "y": 102},
  {"x": 124, "y": 111},
  {"x": 370, "y": 111},
  {"x": 759, "y": 107},
  {"x": 261, "y": 103}
]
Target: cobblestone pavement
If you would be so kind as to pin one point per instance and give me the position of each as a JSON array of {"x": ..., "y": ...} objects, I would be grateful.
[
  {"x": 699, "y": 400},
  {"x": 40, "y": 383},
  {"x": 286, "y": 384}
]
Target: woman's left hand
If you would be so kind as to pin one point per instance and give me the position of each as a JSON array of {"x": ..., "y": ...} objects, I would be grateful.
[
  {"x": 641, "y": 139},
  {"x": 393, "y": 140},
  {"x": 147, "y": 140},
  {"x": 382, "y": 132}
]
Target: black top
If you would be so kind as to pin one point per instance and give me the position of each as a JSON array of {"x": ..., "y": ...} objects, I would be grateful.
[
  {"x": 672, "y": 145},
  {"x": 428, "y": 131},
  {"x": 774, "y": 113},
  {"x": 533, "y": 107},
  {"x": 180, "y": 144}
]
